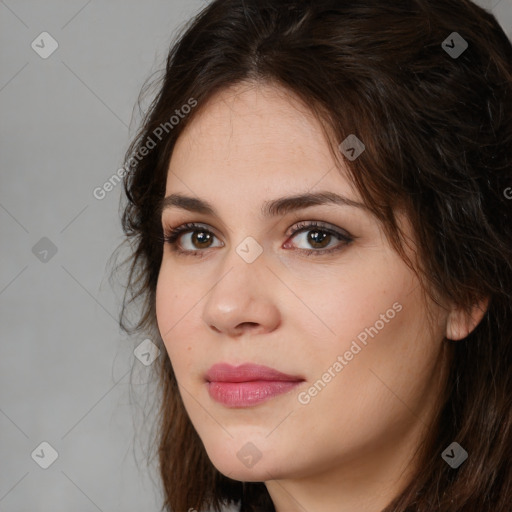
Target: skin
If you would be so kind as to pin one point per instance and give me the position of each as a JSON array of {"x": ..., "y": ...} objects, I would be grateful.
[{"x": 351, "y": 447}]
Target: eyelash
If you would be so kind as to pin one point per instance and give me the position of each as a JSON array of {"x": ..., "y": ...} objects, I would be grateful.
[{"x": 171, "y": 236}]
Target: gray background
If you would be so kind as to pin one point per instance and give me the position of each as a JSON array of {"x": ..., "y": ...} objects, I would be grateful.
[{"x": 64, "y": 364}]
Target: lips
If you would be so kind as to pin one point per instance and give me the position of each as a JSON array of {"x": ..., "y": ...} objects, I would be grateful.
[
  {"x": 247, "y": 373},
  {"x": 248, "y": 384}
]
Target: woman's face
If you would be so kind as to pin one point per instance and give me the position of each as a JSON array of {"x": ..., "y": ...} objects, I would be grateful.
[{"x": 333, "y": 306}]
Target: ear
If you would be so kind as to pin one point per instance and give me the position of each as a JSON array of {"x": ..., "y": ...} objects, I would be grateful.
[{"x": 460, "y": 324}]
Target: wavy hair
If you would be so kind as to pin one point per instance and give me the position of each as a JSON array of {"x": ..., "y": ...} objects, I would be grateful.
[{"x": 438, "y": 134}]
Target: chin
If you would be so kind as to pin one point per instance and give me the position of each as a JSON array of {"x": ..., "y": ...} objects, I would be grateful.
[
  {"x": 243, "y": 460},
  {"x": 234, "y": 469}
]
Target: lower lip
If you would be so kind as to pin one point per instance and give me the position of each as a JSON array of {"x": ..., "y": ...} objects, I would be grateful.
[{"x": 246, "y": 394}]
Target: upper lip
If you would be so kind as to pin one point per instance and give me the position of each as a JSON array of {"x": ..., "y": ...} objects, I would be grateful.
[{"x": 247, "y": 372}]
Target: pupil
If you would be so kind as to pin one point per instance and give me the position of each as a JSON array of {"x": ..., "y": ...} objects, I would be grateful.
[
  {"x": 317, "y": 237},
  {"x": 201, "y": 237}
]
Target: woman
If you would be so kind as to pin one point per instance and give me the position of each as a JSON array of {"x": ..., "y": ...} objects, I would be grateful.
[{"x": 323, "y": 247}]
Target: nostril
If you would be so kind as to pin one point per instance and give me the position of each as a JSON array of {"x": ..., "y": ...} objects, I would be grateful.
[{"x": 249, "y": 324}]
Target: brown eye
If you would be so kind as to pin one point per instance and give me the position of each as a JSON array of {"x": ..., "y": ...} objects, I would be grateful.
[
  {"x": 318, "y": 239},
  {"x": 201, "y": 239}
]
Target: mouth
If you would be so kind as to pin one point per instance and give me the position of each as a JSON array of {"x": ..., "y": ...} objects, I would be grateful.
[{"x": 248, "y": 384}]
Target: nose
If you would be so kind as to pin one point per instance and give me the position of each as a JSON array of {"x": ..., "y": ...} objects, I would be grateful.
[{"x": 242, "y": 300}]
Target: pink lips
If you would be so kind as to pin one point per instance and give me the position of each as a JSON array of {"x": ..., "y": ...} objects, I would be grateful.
[{"x": 248, "y": 384}]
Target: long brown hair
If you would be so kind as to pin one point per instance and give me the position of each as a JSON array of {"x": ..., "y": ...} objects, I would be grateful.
[{"x": 436, "y": 119}]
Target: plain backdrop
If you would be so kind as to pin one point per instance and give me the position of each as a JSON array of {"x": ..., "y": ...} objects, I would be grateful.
[{"x": 65, "y": 367}]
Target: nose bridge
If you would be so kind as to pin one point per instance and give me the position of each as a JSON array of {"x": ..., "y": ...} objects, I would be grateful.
[
  {"x": 244, "y": 265},
  {"x": 241, "y": 271}
]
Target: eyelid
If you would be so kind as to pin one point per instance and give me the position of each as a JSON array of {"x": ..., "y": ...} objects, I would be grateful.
[
  {"x": 305, "y": 225},
  {"x": 292, "y": 230},
  {"x": 186, "y": 227}
]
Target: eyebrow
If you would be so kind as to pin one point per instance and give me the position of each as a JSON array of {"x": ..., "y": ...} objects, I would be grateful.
[{"x": 273, "y": 208}]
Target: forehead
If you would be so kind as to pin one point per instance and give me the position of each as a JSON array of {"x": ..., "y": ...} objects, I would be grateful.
[
  {"x": 270, "y": 107},
  {"x": 252, "y": 133}
]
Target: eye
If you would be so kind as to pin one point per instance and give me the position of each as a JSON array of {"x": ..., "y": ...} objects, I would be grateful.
[
  {"x": 192, "y": 239},
  {"x": 322, "y": 238},
  {"x": 196, "y": 239}
]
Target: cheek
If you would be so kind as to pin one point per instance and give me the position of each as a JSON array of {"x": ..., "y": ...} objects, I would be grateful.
[
  {"x": 175, "y": 297},
  {"x": 354, "y": 300},
  {"x": 387, "y": 351},
  {"x": 166, "y": 303},
  {"x": 174, "y": 313},
  {"x": 375, "y": 319}
]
